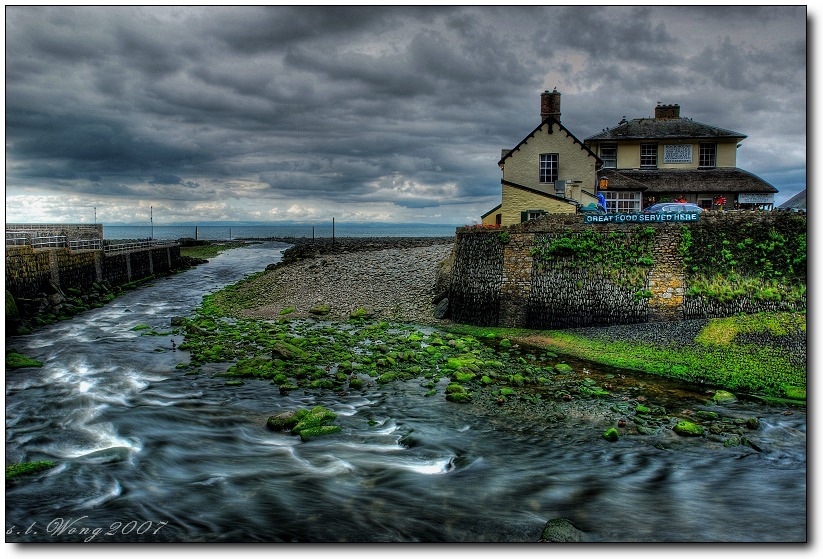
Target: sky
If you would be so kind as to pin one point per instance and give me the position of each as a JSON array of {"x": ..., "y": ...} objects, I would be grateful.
[{"x": 119, "y": 115}]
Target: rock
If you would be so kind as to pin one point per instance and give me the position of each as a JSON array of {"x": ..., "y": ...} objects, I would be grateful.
[
  {"x": 442, "y": 309},
  {"x": 611, "y": 434},
  {"x": 688, "y": 429},
  {"x": 320, "y": 310},
  {"x": 287, "y": 352},
  {"x": 563, "y": 368},
  {"x": 361, "y": 313},
  {"x": 282, "y": 421},
  {"x": 178, "y": 320},
  {"x": 723, "y": 397},
  {"x": 561, "y": 530}
]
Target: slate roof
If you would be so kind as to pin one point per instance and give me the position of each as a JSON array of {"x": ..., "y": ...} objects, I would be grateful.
[
  {"x": 728, "y": 179},
  {"x": 663, "y": 129}
]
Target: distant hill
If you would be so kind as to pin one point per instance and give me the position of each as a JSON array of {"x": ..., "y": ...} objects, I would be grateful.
[{"x": 796, "y": 202}]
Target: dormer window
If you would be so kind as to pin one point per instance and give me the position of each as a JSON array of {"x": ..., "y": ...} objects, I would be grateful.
[
  {"x": 648, "y": 156},
  {"x": 548, "y": 167},
  {"x": 708, "y": 155}
]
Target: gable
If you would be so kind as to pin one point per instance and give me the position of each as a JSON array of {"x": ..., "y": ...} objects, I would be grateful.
[{"x": 550, "y": 133}]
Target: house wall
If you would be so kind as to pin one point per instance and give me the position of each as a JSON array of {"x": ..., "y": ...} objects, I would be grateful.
[
  {"x": 516, "y": 200},
  {"x": 523, "y": 166},
  {"x": 628, "y": 153}
]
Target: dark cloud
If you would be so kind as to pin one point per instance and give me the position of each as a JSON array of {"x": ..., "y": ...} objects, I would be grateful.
[{"x": 374, "y": 111}]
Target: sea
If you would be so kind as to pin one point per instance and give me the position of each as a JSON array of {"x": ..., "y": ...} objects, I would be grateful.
[{"x": 239, "y": 232}]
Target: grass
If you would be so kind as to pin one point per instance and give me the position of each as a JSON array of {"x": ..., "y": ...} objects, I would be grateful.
[
  {"x": 209, "y": 251},
  {"x": 714, "y": 357}
]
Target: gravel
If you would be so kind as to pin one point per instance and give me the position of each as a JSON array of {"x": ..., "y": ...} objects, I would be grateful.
[{"x": 391, "y": 278}]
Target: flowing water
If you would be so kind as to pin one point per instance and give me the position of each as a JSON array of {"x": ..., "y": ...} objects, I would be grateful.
[{"x": 145, "y": 453}]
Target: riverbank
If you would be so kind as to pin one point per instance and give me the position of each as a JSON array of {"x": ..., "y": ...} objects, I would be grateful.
[
  {"x": 402, "y": 280},
  {"x": 381, "y": 278}
]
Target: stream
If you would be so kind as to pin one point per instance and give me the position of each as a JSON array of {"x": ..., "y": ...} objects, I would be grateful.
[{"x": 146, "y": 453}]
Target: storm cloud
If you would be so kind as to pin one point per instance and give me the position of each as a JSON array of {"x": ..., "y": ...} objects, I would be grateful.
[{"x": 364, "y": 113}]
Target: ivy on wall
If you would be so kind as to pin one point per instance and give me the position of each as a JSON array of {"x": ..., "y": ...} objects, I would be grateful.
[
  {"x": 760, "y": 259},
  {"x": 622, "y": 258}
]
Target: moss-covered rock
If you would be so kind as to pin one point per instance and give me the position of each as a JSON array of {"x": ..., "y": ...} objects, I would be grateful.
[
  {"x": 688, "y": 429},
  {"x": 361, "y": 313},
  {"x": 611, "y": 434},
  {"x": 288, "y": 352},
  {"x": 18, "y": 361},
  {"x": 724, "y": 397},
  {"x": 15, "y": 471},
  {"x": 563, "y": 368},
  {"x": 12, "y": 312},
  {"x": 561, "y": 530},
  {"x": 282, "y": 421}
]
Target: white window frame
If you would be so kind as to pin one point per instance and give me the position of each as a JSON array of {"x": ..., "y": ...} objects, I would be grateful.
[
  {"x": 622, "y": 202},
  {"x": 549, "y": 165},
  {"x": 648, "y": 156}
]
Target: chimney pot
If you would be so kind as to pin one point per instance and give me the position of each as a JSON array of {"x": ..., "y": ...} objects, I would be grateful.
[{"x": 550, "y": 105}]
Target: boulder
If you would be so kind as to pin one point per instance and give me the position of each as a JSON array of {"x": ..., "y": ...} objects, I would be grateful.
[
  {"x": 442, "y": 309},
  {"x": 561, "y": 530},
  {"x": 688, "y": 429},
  {"x": 723, "y": 397}
]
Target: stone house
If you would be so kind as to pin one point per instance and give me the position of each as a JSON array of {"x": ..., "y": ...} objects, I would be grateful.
[
  {"x": 672, "y": 158},
  {"x": 638, "y": 163},
  {"x": 549, "y": 171}
]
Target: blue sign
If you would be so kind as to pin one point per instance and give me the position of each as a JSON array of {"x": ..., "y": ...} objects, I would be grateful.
[{"x": 643, "y": 218}]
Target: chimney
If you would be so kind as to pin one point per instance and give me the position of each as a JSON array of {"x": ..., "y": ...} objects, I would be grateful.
[
  {"x": 550, "y": 105},
  {"x": 663, "y": 112}
]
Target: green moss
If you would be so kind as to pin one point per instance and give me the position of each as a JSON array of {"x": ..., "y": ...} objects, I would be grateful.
[
  {"x": 141, "y": 327},
  {"x": 312, "y": 432},
  {"x": 611, "y": 434},
  {"x": 14, "y": 471},
  {"x": 563, "y": 368},
  {"x": 19, "y": 361},
  {"x": 287, "y": 310},
  {"x": 688, "y": 429},
  {"x": 795, "y": 392}
]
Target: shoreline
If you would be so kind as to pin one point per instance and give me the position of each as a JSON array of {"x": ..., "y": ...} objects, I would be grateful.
[{"x": 391, "y": 278}]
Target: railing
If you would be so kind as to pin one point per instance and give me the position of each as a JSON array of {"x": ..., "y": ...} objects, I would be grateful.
[
  {"x": 54, "y": 241},
  {"x": 127, "y": 246},
  {"x": 35, "y": 240}
]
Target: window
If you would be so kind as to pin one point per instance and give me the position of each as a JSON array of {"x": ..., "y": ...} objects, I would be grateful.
[
  {"x": 622, "y": 202},
  {"x": 705, "y": 201},
  {"x": 708, "y": 155},
  {"x": 648, "y": 155},
  {"x": 531, "y": 214},
  {"x": 548, "y": 167},
  {"x": 608, "y": 153}
]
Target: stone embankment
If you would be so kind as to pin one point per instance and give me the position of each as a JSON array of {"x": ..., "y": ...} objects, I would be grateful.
[{"x": 394, "y": 278}]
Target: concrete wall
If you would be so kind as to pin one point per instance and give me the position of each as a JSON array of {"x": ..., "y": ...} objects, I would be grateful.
[
  {"x": 30, "y": 272},
  {"x": 498, "y": 281}
]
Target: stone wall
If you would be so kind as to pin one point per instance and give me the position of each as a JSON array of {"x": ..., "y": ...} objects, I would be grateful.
[
  {"x": 499, "y": 280},
  {"x": 30, "y": 272}
]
